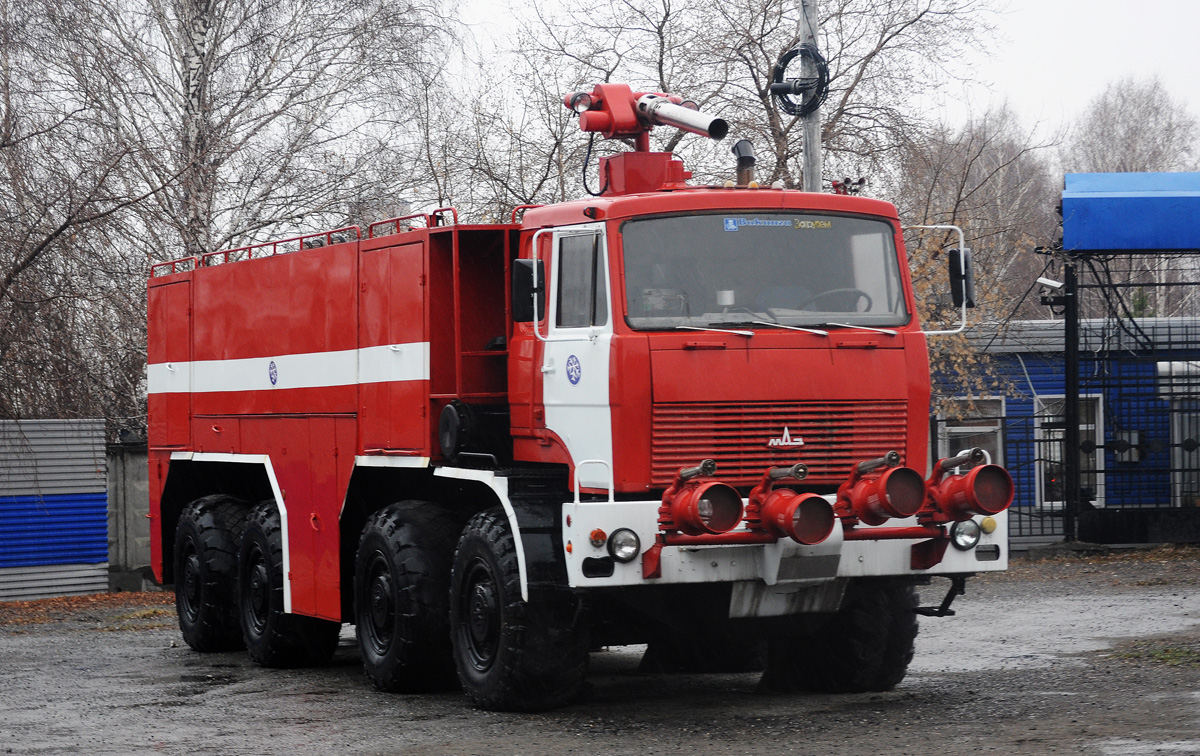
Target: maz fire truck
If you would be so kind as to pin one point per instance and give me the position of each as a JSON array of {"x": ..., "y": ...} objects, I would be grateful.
[{"x": 694, "y": 417}]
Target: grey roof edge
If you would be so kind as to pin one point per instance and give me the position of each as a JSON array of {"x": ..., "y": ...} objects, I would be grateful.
[{"x": 1095, "y": 334}]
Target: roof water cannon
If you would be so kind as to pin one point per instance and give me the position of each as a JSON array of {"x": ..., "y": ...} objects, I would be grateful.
[
  {"x": 696, "y": 505},
  {"x": 618, "y": 112},
  {"x": 664, "y": 110},
  {"x": 985, "y": 489},
  {"x": 873, "y": 497},
  {"x": 804, "y": 517}
]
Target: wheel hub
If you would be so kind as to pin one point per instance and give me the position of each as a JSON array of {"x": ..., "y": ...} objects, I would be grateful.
[
  {"x": 483, "y": 613},
  {"x": 381, "y": 602},
  {"x": 259, "y": 590},
  {"x": 191, "y": 585},
  {"x": 257, "y": 601}
]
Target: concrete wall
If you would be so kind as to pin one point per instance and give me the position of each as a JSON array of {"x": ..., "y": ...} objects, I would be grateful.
[{"x": 128, "y": 526}]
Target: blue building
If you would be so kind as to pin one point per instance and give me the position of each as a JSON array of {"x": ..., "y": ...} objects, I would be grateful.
[{"x": 1139, "y": 426}]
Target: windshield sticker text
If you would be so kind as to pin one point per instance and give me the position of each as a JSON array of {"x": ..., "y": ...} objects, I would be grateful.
[{"x": 733, "y": 224}]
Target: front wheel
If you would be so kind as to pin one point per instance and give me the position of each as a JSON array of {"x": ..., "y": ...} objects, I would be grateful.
[
  {"x": 511, "y": 655},
  {"x": 865, "y": 647},
  {"x": 274, "y": 638}
]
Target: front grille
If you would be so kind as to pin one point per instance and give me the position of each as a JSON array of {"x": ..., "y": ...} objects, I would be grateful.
[{"x": 737, "y": 435}]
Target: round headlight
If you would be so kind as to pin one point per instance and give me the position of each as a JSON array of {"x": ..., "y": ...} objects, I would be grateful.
[
  {"x": 965, "y": 535},
  {"x": 579, "y": 101},
  {"x": 624, "y": 545}
]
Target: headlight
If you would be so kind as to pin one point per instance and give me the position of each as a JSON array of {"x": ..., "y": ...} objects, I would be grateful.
[
  {"x": 965, "y": 535},
  {"x": 624, "y": 545}
]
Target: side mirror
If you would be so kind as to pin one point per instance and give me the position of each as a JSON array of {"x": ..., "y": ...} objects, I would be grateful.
[
  {"x": 962, "y": 277},
  {"x": 528, "y": 281}
]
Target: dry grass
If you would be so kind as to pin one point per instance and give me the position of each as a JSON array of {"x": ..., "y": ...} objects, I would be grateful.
[{"x": 144, "y": 606}]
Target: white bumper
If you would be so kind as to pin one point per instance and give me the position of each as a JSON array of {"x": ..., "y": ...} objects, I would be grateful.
[{"x": 783, "y": 562}]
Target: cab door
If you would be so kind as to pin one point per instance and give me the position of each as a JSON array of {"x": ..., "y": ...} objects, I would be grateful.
[{"x": 576, "y": 349}]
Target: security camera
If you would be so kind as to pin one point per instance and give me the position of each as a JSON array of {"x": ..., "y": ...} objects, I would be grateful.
[{"x": 1051, "y": 283}]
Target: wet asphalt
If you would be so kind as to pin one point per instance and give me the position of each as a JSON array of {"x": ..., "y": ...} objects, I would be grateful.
[{"x": 1064, "y": 656}]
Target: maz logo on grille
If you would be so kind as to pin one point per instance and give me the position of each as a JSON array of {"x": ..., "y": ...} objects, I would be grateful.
[{"x": 786, "y": 439}]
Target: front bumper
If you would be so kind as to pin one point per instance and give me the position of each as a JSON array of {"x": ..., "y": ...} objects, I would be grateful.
[{"x": 782, "y": 562}]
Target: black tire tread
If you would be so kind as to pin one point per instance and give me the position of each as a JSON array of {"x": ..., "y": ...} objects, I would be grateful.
[
  {"x": 218, "y": 522},
  {"x": 420, "y": 537},
  {"x": 289, "y": 640},
  {"x": 865, "y": 647},
  {"x": 544, "y": 657}
]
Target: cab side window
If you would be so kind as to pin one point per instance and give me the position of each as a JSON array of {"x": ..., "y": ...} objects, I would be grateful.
[{"x": 582, "y": 289}]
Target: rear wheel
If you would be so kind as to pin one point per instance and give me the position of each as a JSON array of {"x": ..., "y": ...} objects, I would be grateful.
[
  {"x": 512, "y": 655},
  {"x": 274, "y": 638},
  {"x": 866, "y": 646},
  {"x": 402, "y": 597},
  {"x": 206, "y": 541}
]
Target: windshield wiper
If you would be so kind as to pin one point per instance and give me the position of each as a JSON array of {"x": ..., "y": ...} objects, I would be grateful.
[
  {"x": 747, "y": 334},
  {"x": 888, "y": 331},
  {"x": 817, "y": 331},
  {"x": 772, "y": 324}
]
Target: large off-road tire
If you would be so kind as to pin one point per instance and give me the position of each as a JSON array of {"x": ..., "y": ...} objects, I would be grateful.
[
  {"x": 866, "y": 646},
  {"x": 402, "y": 597},
  {"x": 272, "y": 637},
  {"x": 206, "y": 539},
  {"x": 511, "y": 655}
]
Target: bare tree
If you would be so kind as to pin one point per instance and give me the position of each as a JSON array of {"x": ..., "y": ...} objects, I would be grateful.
[
  {"x": 136, "y": 131},
  {"x": 995, "y": 181},
  {"x": 882, "y": 54},
  {"x": 69, "y": 345},
  {"x": 272, "y": 113},
  {"x": 1133, "y": 126}
]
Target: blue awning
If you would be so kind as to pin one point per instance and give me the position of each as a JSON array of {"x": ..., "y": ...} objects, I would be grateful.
[{"x": 1131, "y": 212}]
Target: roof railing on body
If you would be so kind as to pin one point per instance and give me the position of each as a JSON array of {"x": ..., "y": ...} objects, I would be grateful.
[
  {"x": 282, "y": 246},
  {"x": 439, "y": 216},
  {"x": 397, "y": 225},
  {"x": 182, "y": 265}
]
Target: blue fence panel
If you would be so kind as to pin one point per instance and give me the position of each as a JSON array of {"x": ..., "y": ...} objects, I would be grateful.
[{"x": 59, "y": 529}]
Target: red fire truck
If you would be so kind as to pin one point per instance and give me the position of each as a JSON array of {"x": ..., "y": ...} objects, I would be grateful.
[{"x": 685, "y": 416}]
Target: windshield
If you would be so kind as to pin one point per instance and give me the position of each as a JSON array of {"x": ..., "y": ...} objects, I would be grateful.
[{"x": 789, "y": 268}]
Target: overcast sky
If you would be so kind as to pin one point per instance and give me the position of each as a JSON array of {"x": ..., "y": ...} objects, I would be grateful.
[
  {"x": 1051, "y": 57},
  {"x": 1054, "y": 56}
]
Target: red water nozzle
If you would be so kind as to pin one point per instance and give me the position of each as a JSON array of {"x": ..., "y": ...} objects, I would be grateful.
[
  {"x": 985, "y": 489},
  {"x": 873, "y": 497},
  {"x": 695, "y": 506},
  {"x": 804, "y": 517}
]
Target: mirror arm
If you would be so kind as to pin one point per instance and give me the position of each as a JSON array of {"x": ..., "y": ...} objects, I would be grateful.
[{"x": 962, "y": 244}]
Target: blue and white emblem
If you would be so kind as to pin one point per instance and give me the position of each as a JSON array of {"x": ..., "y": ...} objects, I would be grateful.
[
  {"x": 574, "y": 370},
  {"x": 272, "y": 372},
  {"x": 731, "y": 224}
]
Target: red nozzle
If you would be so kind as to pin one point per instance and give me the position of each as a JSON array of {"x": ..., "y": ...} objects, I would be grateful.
[
  {"x": 874, "y": 498},
  {"x": 700, "y": 507},
  {"x": 805, "y": 517},
  {"x": 984, "y": 490}
]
